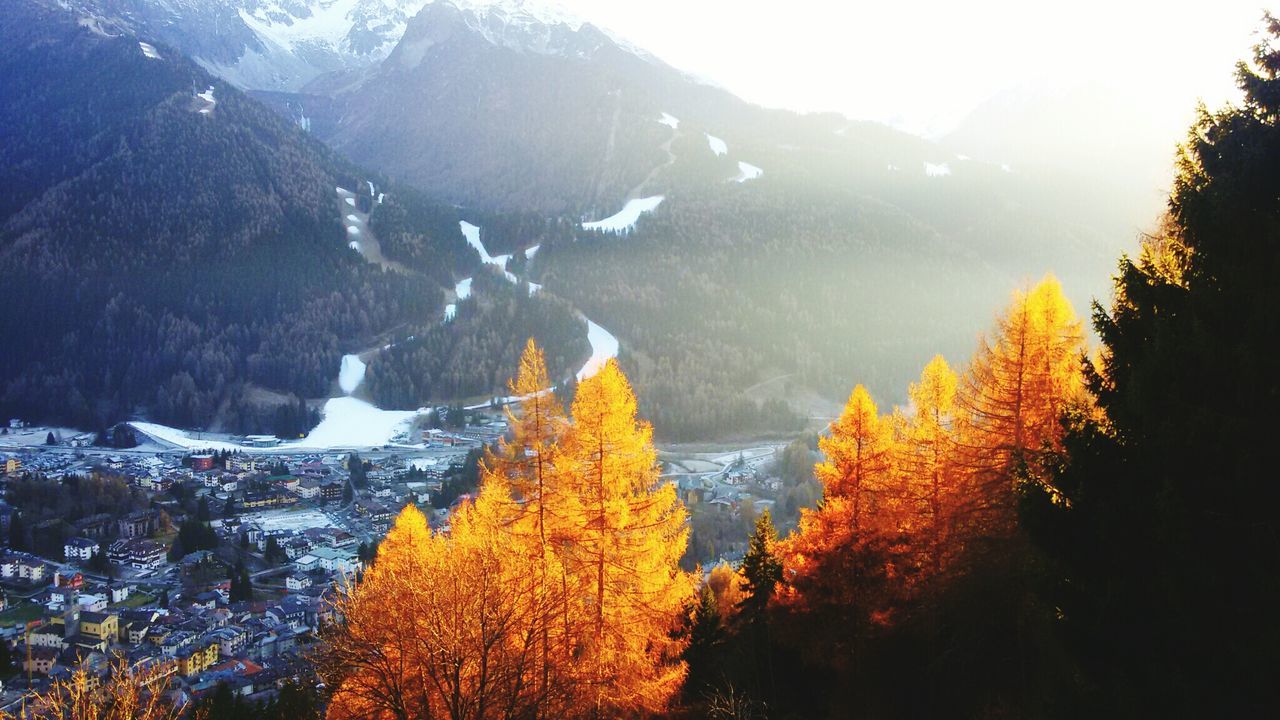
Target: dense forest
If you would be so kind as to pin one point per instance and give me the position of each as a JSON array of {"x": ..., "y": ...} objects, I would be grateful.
[
  {"x": 837, "y": 262},
  {"x": 165, "y": 259},
  {"x": 473, "y": 354}
]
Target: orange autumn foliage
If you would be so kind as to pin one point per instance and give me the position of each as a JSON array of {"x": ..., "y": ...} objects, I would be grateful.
[
  {"x": 907, "y": 495},
  {"x": 860, "y": 459},
  {"x": 552, "y": 595},
  {"x": 629, "y": 531}
]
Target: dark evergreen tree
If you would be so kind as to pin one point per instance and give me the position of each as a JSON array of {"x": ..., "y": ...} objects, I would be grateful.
[
  {"x": 1161, "y": 522},
  {"x": 273, "y": 553},
  {"x": 241, "y": 584},
  {"x": 761, "y": 569},
  {"x": 706, "y": 635}
]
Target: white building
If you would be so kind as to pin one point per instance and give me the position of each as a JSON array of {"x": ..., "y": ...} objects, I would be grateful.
[
  {"x": 82, "y": 549},
  {"x": 337, "y": 561}
]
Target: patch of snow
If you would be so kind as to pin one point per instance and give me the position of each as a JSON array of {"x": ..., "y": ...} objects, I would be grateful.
[
  {"x": 348, "y": 422},
  {"x": 670, "y": 121},
  {"x": 747, "y": 171},
  {"x": 534, "y": 287},
  {"x": 940, "y": 170},
  {"x": 353, "y": 219},
  {"x": 625, "y": 219},
  {"x": 180, "y": 438},
  {"x": 450, "y": 311},
  {"x": 718, "y": 146},
  {"x": 350, "y": 201},
  {"x": 893, "y": 168},
  {"x": 472, "y": 234},
  {"x": 149, "y": 51},
  {"x": 380, "y": 196},
  {"x": 463, "y": 289},
  {"x": 343, "y": 191},
  {"x": 603, "y": 347},
  {"x": 354, "y": 245},
  {"x": 207, "y": 96},
  {"x": 1005, "y": 167},
  {"x": 371, "y": 190},
  {"x": 351, "y": 373},
  {"x": 353, "y": 230},
  {"x": 529, "y": 252}
]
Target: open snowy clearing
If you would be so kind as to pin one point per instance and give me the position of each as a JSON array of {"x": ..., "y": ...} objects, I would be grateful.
[
  {"x": 625, "y": 219},
  {"x": 149, "y": 51},
  {"x": 718, "y": 146},
  {"x": 181, "y": 438},
  {"x": 348, "y": 422},
  {"x": 463, "y": 289},
  {"x": 603, "y": 346},
  {"x": 351, "y": 374},
  {"x": 747, "y": 171},
  {"x": 670, "y": 121},
  {"x": 277, "y": 520}
]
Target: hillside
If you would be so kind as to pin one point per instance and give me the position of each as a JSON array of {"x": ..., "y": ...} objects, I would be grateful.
[
  {"x": 863, "y": 247},
  {"x": 169, "y": 242}
]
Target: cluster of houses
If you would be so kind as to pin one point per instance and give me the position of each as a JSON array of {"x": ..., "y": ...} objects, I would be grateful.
[
  {"x": 199, "y": 642},
  {"x": 172, "y": 616}
]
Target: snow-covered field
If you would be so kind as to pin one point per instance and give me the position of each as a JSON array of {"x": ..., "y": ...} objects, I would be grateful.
[
  {"x": 669, "y": 120},
  {"x": 603, "y": 346},
  {"x": 348, "y": 422},
  {"x": 747, "y": 171},
  {"x": 276, "y": 520},
  {"x": 718, "y": 146},
  {"x": 472, "y": 234},
  {"x": 149, "y": 50},
  {"x": 938, "y": 170},
  {"x": 625, "y": 219},
  {"x": 351, "y": 373},
  {"x": 181, "y": 438}
]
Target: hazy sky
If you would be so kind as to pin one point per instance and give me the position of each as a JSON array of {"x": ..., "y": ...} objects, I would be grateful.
[{"x": 923, "y": 65}]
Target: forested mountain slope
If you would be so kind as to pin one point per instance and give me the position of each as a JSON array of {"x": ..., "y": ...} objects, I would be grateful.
[{"x": 168, "y": 241}]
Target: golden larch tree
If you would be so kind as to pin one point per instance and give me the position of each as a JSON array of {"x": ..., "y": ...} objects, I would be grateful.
[
  {"x": 629, "y": 533},
  {"x": 1019, "y": 382},
  {"x": 859, "y": 461},
  {"x": 929, "y": 454}
]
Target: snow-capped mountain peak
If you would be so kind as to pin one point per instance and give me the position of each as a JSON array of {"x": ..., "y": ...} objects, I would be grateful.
[{"x": 286, "y": 44}]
